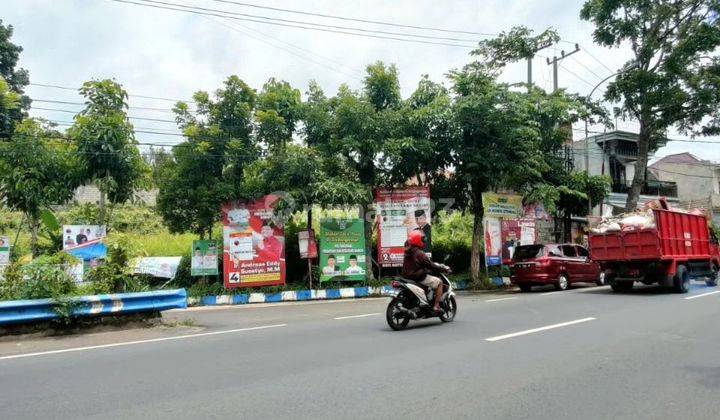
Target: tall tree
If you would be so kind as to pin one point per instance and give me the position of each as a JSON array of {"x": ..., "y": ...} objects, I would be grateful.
[
  {"x": 208, "y": 168},
  {"x": 279, "y": 108},
  {"x": 37, "y": 169},
  {"x": 106, "y": 141},
  {"x": 673, "y": 79},
  {"x": 16, "y": 78}
]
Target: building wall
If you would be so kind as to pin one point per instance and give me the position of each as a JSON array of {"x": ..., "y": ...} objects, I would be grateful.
[
  {"x": 90, "y": 194},
  {"x": 694, "y": 181}
]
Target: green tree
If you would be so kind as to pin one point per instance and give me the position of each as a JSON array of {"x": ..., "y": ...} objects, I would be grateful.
[
  {"x": 37, "y": 169},
  {"x": 106, "y": 141},
  {"x": 208, "y": 169},
  {"x": 16, "y": 79},
  {"x": 673, "y": 77},
  {"x": 279, "y": 108},
  {"x": 498, "y": 144}
]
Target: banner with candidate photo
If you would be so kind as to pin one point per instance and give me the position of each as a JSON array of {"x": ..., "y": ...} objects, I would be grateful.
[
  {"x": 400, "y": 211},
  {"x": 204, "y": 260},
  {"x": 253, "y": 243},
  {"x": 342, "y": 250}
]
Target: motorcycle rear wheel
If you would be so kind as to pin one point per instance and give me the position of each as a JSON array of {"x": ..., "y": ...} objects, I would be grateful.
[
  {"x": 450, "y": 310},
  {"x": 395, "y": 319}
]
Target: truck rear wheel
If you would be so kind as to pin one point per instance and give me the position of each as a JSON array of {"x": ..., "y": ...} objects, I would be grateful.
[
  {"x": 713, "y": 280},
  {"x": 622, "y": 286},
  {"x": 682, "y": 280}
]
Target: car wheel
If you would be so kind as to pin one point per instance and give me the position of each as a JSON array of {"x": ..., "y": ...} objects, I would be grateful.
[
  {"x": 525, "y": 287},
  {"x": 601, "y": 279},
  {"x": 562, "y": 282}
]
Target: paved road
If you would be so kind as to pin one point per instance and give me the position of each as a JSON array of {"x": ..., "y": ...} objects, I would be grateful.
[{"x": 585, "y": 353}]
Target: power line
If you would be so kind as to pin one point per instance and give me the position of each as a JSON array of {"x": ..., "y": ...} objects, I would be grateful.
[
  {"x": 576, "y": 75},
  {"x": 130, "y": 117},
  {"x": 586, "y": 68},
  {"x": 84, "y": 104},
  {"x": 309, "y": 23},
  {"x": 159, "y": 98},
  {"x": 376, "y": 22},
  {"x": 367, "y": 35}
]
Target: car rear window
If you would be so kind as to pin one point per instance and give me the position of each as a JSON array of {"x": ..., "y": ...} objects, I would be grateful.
[
  {"x": 526, "y": 252},
  {"x": 569, "y": 251}
]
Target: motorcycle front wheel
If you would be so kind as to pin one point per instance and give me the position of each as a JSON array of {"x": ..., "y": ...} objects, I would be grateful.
[
  {"x": 395, "y": 318},
  {"x": 449, "y": 310}
]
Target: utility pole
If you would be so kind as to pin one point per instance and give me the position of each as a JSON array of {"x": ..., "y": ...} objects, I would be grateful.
[
  {"x": 529, "y": 62},
  {"x": 555, "y": 61}
]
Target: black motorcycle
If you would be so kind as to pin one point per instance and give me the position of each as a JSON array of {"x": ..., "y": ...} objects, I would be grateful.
[{"x": 413, "y": 301}]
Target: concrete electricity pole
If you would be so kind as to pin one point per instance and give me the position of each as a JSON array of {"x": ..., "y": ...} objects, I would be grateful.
[
  {"x": 529, "y": 63},
  {"x": 555, "y": 61}
]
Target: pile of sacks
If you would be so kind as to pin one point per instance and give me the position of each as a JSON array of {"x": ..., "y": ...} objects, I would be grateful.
[{"x": 638, "y": 220}]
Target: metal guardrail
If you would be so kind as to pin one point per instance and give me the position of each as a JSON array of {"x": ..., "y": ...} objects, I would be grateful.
[{"x": 26, "y": 311}]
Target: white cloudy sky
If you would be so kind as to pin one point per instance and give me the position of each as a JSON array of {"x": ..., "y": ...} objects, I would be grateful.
[{"x": 171, "y": 54}]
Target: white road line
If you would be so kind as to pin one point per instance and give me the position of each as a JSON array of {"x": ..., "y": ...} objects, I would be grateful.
[
  {"x": 357, "y": 316},
  {"x": 702, "y": 295},
  {"x": 275, "y": 304},
  {"x": 534, "y": 330},
  {"x": 128, "y": 343},
  {"x": 499, "y": 299}
]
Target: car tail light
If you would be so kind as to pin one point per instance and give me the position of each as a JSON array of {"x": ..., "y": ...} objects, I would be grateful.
[
  {"x": 543, "y": 262},
  {"x": 396, "y": 284}
]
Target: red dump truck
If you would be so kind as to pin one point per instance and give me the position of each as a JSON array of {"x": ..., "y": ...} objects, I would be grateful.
[{"x": 679, "y": 248}]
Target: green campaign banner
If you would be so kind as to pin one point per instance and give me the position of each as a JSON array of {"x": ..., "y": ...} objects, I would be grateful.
[
  {"x": 204, "y": 260},
  {"x": 342, "y": 250}
]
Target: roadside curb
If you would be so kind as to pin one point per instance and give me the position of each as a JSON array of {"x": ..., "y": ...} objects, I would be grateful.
[{"x": 301, "y": 295}]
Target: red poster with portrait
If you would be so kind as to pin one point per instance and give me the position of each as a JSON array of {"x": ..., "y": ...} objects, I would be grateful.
[
  {"x": 254, "y": 244},
  {"x": 400, "y": 211}
]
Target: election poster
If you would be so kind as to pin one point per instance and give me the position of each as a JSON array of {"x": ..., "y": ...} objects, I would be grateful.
[
  {"x": 161, "y": 267},
  {"x": 4, "y": 250},
  {"x": 204, "y": 261},
  {"x": 253, "y": 244},
  {"x": 400, "y": 211},
  {"x": 342, "y": 250},
  {"x": 493, "y": 239},
  {"x": 515, "y": 232},
  {"x": 502, "y": 206},
  {"x": 76, "y": 235},
  {"x": 307, "y": 244}
]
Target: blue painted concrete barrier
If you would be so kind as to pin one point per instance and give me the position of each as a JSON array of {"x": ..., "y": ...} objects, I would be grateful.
[
  {"x": 301, "y": 295},
  {"x": 25, "y": 311}
]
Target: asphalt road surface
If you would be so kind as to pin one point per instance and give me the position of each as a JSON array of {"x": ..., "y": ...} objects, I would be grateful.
[{"x": 582, "y": 354}]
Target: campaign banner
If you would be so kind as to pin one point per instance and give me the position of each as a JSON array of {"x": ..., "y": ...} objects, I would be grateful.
[
  {"x": 77, "y": 235},
  {"x": 515, "y": 232},
  {"x": 342, "y": 250},
  {"x": 307, "y": 244},
  {"x": 161, "y": 267},
  {"x": 254, "y": 244},
  {"x": 4, "y": 250},
  {"x": 493, "y": 241},
  {"x": 502, "y": 206},
  {"x": 204, "y": 261},
  {"x": 400, "y": 211}
]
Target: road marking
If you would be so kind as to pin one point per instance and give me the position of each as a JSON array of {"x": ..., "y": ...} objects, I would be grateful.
[
  {"x": 534, "y": 330},
  {"x": 554, "y": 292},
  {"x": 357, "y": 316},
  {"x": 499, "y": 299},
  {"x": 702, "y": 295},
  {"x": 128, "y": 343}
]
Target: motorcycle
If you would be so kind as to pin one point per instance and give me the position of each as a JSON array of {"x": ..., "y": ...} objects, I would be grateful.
[{"x": 414, "y": 301}]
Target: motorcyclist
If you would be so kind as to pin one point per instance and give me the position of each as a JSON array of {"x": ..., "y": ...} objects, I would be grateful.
[{"x": 416, "y": 265}]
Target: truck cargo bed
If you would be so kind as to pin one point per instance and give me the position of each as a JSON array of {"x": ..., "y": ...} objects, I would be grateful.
[{"x": 676, "y": 236}]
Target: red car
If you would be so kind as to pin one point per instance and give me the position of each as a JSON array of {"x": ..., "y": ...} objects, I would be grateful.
[{"x": 556, "y": 264}]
